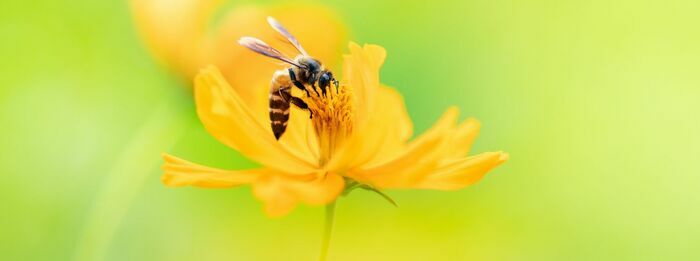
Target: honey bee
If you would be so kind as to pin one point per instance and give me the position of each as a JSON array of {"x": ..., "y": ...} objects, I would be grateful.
[{"x": 304, "y": 71}]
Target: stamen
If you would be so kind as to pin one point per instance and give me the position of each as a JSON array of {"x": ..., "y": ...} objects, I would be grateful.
[{"x": 333, "y": 118}]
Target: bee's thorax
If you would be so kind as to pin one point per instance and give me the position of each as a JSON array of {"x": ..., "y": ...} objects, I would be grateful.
[{"x": 310, "y": 71}]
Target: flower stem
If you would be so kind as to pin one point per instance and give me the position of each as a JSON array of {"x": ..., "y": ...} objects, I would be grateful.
[{"x": 327, "y": 230}]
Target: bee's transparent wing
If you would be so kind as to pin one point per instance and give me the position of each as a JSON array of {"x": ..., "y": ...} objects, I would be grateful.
[
  {"x": 258, "y": 46},
  {"x": 280, "y": 29}
]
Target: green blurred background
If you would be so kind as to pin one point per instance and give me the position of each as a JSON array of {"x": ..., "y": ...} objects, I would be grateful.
[{"x": 597, "y": 103}]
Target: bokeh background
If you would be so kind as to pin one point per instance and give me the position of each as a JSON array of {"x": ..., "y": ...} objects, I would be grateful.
[{"x": 597, "y": 103}]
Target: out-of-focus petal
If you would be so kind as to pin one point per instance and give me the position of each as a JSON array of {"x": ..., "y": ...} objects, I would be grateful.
[
  {"x": 179, "y": 172},
  {"x": 458, "y": 174},
  {"x": 175, "y": 31},
  {"x": 228, "y": 119},
  {"x": 185, "y": 36},
  {"x": 281, "y": 193}
]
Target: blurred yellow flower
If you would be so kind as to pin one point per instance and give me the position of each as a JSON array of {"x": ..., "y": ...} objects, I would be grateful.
[
  {"x": 359, "y": 134},
  {"x": 187, "y": 35}
]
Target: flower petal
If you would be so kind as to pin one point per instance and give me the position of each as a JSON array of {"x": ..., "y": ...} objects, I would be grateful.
[
  {"x": 372, "y": 127},
  {"x": 228, "y": 119},
  {"x": 463, "y": 138},
  {"x": 422, "y": 155},
  {"x": 461, "y": 173},
  {"x": 300, "y": 134},
  {"x": 361, "y": 72},
  {"x": 179, "y": 172},
  {"x": 435, "y": 160},
  {"x": 397, "y": 125},
  {"x": 281, "y": 193}
]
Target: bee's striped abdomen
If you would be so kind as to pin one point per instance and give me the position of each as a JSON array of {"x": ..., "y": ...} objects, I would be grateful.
[{"x": 279, "y": 110}]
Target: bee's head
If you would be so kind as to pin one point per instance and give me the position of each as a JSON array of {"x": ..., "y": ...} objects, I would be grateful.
[{"x": 325, "y": 79}]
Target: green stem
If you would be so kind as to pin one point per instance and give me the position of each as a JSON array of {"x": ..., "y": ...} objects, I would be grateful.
[{"x": 327, "y": 230}]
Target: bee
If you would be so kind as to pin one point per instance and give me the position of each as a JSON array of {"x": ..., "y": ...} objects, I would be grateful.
[{"x": 304, "y": 71}]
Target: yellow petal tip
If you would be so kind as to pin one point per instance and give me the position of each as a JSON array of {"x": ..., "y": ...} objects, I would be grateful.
[
  {"x": 353, "y": 45},
  {"x": 503, "y": 157},
  {"x": 473, "y": 121}
]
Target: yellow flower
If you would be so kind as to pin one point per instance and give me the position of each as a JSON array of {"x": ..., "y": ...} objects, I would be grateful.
[{"x": 359, "y": 134}]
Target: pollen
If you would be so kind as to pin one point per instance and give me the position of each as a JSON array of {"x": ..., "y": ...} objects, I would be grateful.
[{"x": 332, "y": 117}]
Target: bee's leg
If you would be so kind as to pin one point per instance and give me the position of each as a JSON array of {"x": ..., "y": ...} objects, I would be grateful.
[
  {"x": 293, "y": 77},
  {"x": 295, "y": 100},
  {"x": 324, "y": 81},
  {"x": 302, "y": 105},
  {"x": 323, "y": 89},
  {"x": 298, "y": 84},
  {"x": 284, "y": 94}
]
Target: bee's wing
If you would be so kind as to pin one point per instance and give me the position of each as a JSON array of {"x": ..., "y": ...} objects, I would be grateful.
[
  {"x": 258, "y": 46},
  {"x": 280, "y": 29}
]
